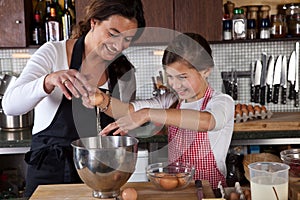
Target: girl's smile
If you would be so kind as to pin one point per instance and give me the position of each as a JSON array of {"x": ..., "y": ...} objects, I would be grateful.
[{"x": 186, "y": 81}]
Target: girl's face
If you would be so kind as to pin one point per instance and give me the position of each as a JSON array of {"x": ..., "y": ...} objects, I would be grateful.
[
  {"x": 188, "y": 83},
  {"x": 112, "y": 36}
]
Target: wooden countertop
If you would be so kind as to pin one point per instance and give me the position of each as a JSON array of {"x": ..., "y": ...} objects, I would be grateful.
[
  {"x": 145, "y": 190},
  {"x": 279, "y": 121}
]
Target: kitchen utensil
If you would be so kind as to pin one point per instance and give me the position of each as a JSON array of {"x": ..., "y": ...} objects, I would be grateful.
[
  {"x": 258, "y": 68},
  {"x": 9, "y": 122},
  {"x": 269, "y": 180},
  {"x": 283, "y": 80},
  {"x": 12, "y": 123},
  {"x": 5, "y": 81},
  {"x": 277, "y": 77},
  {"x": 263, "y": 79},
  {"x": 198, "y": 184},
  {"x": 291, "y": 157},
  {"x": 105, "y": 163},
  {"x": 291, "y": 74},
  {"x": 297, "y": 76},
  {"x": 269, "y": 79},
  {"x": 252, "y": 88},
  {"x": 234, "y": 86},
  {"x": 166, "y": 176}
]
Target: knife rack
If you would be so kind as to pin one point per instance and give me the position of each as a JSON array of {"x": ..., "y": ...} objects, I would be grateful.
[{"x": 229, "y": 75}]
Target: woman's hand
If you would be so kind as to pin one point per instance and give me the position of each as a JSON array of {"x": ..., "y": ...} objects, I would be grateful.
[
  {"x": 71, "y": 82},
  {"x": 95, "y": 98},
  {"x": 128, "y": 122}
]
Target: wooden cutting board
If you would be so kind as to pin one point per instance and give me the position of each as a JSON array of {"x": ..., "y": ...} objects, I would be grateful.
[
  {"x": 145, "y": 190},
  {"x": 279, "y": 121}
]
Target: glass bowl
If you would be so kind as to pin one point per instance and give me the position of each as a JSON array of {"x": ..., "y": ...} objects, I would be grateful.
[
  {"x": 166, "y": 176},
  {"x": 291, "y": 157}
]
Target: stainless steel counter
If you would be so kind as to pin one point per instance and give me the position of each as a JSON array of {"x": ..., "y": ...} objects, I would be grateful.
[{"x": 15, "y": 141}]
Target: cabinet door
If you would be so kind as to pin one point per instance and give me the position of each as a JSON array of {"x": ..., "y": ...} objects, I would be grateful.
[
  {"x": 15, "y": 24},
  {"x": 159, "y": 16},
  {"x": 80, "y": 9},
  {"x": 200, "y": 16}
]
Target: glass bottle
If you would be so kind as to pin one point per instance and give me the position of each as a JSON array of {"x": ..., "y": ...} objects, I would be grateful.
[
  {"x": 67, "y": 21},
  {"x": 278, "y": 26},
  {"x": 251, "y": 29},
  {"x": 40, "y": 8},
  {"x": 294, "y": 25},
  {"x": 53, "y": 29},
  {"x": 239, "y": 24},
  {"x": 46, "y": 19},
  {"x": 38, "y": 32}
]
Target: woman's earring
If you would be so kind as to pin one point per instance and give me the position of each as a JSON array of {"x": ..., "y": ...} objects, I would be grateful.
[{"x": 92, "y": 29}]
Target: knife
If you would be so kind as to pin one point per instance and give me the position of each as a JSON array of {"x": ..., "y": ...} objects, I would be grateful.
[
  {"x": 297, "y": 76},
  {"x": 198, "y": 184},
  {"x": 276, "y": 80},
  {"x": 234, "y": 86},
  {"x": 283, "y": 80},
  {"x": 258, "y": 68},
  {"x": 292, "y": 74},
  {"x": 263, "y": 79},
  {"x": 269, "y": 79},
  {"x": 252, "y": 66}
]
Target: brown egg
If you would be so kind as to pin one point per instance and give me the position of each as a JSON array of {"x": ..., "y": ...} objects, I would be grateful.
[
  {"x": 181, "y": 179},
  {"x": 234, "y": 196},
  {"x": 168, "y": 182},
  {"x": 247, "y": 194},
  {"x": 129, "y": 194},
  {"x": 158, "y": 176}
]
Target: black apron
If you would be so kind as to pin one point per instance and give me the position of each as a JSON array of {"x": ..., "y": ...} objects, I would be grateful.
[{"x": 50, "y": 159}]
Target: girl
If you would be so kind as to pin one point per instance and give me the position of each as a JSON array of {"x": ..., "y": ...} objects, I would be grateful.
[{"x": 200, "y": 120}]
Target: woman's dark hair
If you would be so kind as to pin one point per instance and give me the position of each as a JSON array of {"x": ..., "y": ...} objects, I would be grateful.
[
  {"x": 103, "y": 9},
  {"x": 191, "y": 48}
]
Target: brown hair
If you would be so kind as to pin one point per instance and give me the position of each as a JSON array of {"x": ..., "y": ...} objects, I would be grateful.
[
  {"x": 191, "y": 48},
  {"x": 103, "y": 9}
]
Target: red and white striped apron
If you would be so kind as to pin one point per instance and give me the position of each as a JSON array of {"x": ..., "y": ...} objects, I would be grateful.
[{"x": 188, "y": 146}]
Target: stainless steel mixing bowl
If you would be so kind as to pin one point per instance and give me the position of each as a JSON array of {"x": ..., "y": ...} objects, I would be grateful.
[{"x": 105, "y": 163}]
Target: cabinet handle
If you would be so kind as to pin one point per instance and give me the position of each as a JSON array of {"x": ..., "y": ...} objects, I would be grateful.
[{"x": 18, "y": 21}]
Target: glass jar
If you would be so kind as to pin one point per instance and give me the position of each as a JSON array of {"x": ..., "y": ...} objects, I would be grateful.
[
  {"x": 294, "y": 25},
  {"x": 251, "y": 29},
  {"x": 227, "y": 29},
  {"x": 239, "y": 24},
  {"x": 278, "y": 26},
  {"x": 265, "y": 29}
]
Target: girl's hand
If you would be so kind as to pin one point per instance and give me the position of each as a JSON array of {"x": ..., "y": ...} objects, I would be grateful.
[
  {"x": 71, "y": 82},
  {"x": 127, "y": 123}
]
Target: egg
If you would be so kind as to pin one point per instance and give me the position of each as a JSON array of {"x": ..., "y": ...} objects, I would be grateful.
[
  {"x": 247, "y": 194},
  {"x": 158, "y": 176},
  {"x": 181, "y": 179},
  {"x": 129, "y": 194},
  {"x": 168, "y": 182},
  {"x": 234, "y": 196}
]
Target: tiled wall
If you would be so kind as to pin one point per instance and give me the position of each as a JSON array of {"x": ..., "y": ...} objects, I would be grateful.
[{"x": 147, "y": 61}]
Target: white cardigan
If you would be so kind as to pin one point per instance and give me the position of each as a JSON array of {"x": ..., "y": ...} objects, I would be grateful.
[{"x": 27, "y": 93}]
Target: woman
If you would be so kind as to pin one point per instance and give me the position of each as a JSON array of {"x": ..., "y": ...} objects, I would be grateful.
[
  {"x": 56, "y": 73},
  {"x": 199, "y": 119}
]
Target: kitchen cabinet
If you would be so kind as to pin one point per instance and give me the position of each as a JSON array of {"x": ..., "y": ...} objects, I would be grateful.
[
  {"x": 15, "y": 24},
  {"x": 200, "y": 16}
]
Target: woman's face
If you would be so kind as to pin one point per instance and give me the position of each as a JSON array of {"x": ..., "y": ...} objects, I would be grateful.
[
  {"x": 112, "y": 36},
  {"x": 188, "y": 83}
]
